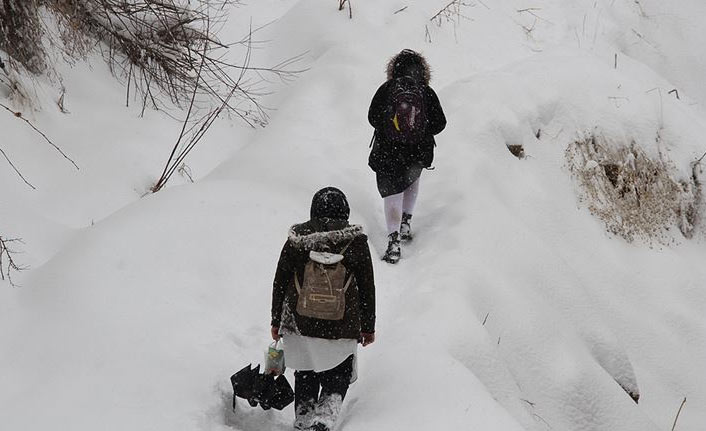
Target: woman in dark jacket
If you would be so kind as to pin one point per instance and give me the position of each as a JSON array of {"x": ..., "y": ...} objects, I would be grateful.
[
  {"x": 398, "y": 163},
  {"x": 322, "y": 351}
]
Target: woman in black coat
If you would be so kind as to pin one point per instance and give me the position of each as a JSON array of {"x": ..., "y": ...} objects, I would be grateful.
[
  {"x": 322, "y": 351},
  {"x": 406, "y": 114}
]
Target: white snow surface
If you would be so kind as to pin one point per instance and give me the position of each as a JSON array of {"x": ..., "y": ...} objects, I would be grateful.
[{"x": 512, "y": 309}]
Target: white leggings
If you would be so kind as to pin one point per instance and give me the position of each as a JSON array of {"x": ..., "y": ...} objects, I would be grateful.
[{"x": 395, "y": 205}]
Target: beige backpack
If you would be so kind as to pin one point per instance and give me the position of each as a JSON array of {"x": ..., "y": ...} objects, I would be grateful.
[{"x": 322, "y": 294}]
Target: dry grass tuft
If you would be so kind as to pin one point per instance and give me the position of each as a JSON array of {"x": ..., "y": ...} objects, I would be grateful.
[{"x": 633, "y": 194}]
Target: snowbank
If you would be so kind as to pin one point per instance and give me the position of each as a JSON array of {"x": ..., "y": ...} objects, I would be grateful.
[{"x": 513, "y": 308}]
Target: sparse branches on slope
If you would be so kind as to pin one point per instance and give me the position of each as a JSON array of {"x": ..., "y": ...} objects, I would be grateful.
[
  {"x": 195, "y": 129},
  {"x": 156, "y": 46},
  {"x": 453, "y": 13},
  {"x": 8, "y": 265}
]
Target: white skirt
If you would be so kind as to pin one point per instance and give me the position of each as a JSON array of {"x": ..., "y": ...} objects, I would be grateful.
[{"x": 316, "y": 354}]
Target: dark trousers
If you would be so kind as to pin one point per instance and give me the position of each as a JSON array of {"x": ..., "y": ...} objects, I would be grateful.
[{"x": 307, "y": 385}]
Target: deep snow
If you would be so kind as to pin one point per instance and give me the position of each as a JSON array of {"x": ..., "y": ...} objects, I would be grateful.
[{"x": 512, "y": 309}]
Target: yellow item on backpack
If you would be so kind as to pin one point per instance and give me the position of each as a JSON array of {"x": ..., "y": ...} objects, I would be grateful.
[{"x": 396, "y": 123}]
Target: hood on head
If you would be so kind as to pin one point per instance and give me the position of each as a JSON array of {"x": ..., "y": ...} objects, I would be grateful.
[
  {"x": 330, "y": 203},
  {"x": 409, "y": 63}
]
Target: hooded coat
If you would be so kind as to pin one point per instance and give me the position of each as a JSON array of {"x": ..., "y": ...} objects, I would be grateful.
[
  {"x": 327, "y": 230},
  {"x": 398, "y": 166}
]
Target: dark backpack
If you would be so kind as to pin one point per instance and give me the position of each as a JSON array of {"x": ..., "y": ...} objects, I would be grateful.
[{"x": 405, "y": 115}]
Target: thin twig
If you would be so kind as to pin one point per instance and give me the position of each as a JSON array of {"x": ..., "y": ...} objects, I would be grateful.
[
  {"x": 6, "y": 270},
  {"x": 678, "y": 412},
  {"x": 19, "y": 115},
  {"x": 443, "y": 10},
  {"x": 16, "y": 170}
]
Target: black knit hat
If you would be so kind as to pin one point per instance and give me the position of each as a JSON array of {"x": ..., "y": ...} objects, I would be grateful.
[{"x": 330, "y": 202}]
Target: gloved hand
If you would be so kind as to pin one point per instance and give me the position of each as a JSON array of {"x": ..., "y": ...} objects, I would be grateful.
[{"x": 367, "y": 338}]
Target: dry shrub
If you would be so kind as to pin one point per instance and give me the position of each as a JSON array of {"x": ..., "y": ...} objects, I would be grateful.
[
  {"x": 21, "y": 33},
  {"x": 161, "y": 49},
  {"x": 633, "y": 194}
]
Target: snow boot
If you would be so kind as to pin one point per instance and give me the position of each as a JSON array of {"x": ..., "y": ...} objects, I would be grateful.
[
  {"x": 302, "y": 422},
  {"x": 393, "y": 253},
  {"x": 327, "y": 411},
  {"x": 304, "y": 416},
  {"x": 405, "y": 228}
]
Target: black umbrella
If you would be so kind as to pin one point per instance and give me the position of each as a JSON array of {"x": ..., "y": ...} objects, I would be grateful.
[
  {"x": 283, "y": 395},
  {"x": 244, "y": 383},
  {"x": 263, "y": 389}
]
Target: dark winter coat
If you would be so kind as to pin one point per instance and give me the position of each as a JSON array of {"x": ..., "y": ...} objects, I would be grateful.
[
  {"x": 325, "y": 235},
  {"x": 401, "y": 164}
]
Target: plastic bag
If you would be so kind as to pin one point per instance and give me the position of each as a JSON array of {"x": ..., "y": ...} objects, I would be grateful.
[{"x": 274, "y": 360}]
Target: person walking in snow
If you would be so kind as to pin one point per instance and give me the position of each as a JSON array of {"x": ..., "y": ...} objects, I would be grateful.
[
  {"x": 323, "y": 305},
  {"x": 406, "y": 114}
]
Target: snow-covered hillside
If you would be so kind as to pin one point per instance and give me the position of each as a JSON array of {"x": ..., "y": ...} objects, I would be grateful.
[{"x": 513, "y": 309}]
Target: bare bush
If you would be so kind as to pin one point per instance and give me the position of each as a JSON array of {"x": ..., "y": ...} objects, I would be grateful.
[
  {"x": 156, "y": 47},
  {"x": 21, "y": 33},
  {"x": 7, "y": 263},
  {"x": 165, "y": 51},
  {"x": 634, "y": 195},
  {"x": 453, "y": 13}
]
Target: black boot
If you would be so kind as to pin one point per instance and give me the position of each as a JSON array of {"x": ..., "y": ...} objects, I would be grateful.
[
  {"x": 405, "y": 228},
  {"x": 393, "y": 253}
]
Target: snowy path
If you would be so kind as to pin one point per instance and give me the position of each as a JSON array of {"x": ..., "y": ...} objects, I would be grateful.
[{"x": 512, "y": 309}]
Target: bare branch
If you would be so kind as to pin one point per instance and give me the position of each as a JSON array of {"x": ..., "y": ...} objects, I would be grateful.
[
  {"x": 177, "y": 155},
  {"x": 678, "y": 412},
  {"x": 19, "y": 115},
  {"x": 400, "y": 10},
  {"x": 12, "y": 165},
  {"x": 8, "y": 265}
]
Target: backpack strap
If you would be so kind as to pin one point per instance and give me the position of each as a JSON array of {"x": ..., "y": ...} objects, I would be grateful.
[
  {"x": 348, "y": 283},
  {"x": 350, "y": 277},
  {"x": 296, "y": 283},
  {"x": 346, "y": 247}
]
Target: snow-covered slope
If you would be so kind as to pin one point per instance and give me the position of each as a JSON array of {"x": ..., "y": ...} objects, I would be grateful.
[{"x": 513, "y": 309}]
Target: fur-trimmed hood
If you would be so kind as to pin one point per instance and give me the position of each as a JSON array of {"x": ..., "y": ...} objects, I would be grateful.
[
  {"x": 400, "y": 63},
  {"x": 302, "y": 236}
]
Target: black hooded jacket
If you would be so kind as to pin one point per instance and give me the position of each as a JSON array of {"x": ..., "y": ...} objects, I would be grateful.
[
  {"x": 328, "y": 230},
  {"x": 390, "y": 158}
]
